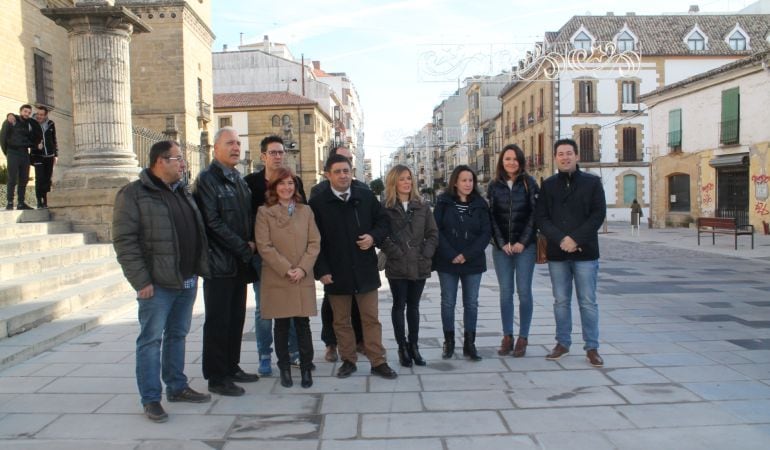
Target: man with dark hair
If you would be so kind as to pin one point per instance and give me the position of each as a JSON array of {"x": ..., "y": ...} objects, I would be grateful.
[
  {"x": 43, "y": 159},
  {"x": 19, "y": 135},
  {"x": 272, "y": 154},
  {"x": 225, "y": 203},
  {"x": 351, "y": 221},
  {"x": 160, "y": 241},
  {"x": 327, "y": 317},
  {"x": 569, "y": 212}
]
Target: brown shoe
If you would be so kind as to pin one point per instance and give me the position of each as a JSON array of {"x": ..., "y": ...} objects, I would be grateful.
[
  {"x": 557, "y": 352},
  {"x": 521, "y": 347},
  {"x": 506, "y": 345},
  {"x": 594, "y": 359},
  {"x": 331, "y": 353}
]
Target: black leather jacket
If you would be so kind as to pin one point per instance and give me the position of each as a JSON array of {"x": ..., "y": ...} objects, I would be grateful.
[
  {"x": 513, "y": 211},
  {"x": 226, "y": 209}
]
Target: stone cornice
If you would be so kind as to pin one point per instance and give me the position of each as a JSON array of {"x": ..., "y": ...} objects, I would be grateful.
[
  {"x": 115, "y": 18},
  {"x": 189, "y": 14}
]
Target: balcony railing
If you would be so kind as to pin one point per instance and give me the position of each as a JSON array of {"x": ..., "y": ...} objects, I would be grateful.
[
  {"x": 204, "y": 111},
  {"x": 729, "y": 130},
  {"x": 521, "y": 123},
  {"x": 530, "y": 118},
  {"x": 586, "y": 107},
  {"x": 675, "y": 140}
]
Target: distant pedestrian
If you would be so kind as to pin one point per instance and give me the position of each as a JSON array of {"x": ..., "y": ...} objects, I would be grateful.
[
  {"x": 570, "y": 210},
  {"x": 512, "y": 197},
  {"x": 409, "y": 248},
  {"x": 636, "y": 216},
  {"x": 464, "y": 230}
]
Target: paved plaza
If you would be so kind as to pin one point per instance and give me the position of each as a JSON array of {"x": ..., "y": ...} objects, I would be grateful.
[{"x": 685, "y": 334}]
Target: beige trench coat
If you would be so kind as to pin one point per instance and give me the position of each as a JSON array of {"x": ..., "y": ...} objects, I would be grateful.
[{"x": 285, "y": 242}]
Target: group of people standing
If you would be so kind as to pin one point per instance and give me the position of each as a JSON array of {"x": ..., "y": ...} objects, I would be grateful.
[{"x": 260, "y": 229}]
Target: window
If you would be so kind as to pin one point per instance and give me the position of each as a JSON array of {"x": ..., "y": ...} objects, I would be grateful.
[
  {"x": 540, "y": 150},
  {"x": 540, "y": 111},
  {"x": 285, "y": 120},
  {"x": 276, "y": 121},
  {"x": 675, "y": 130},
  {"x": 679, "y": 193},
  {"x": 307, "y": 118},
  {"x": 629, "y": 189},
  {"x": 696, "y": 41},
  {"x": 625, "y": 42},
  {"x": 225, "y": 121},
  {"x": 43, "y": 78},
  {"x": 629, "y": 144},
  {"x": 729, "y": 129},
  {"x": 586, "y": 144},
  {"x": 737, "y": 41},
  {"x": 582, "y": 41},
  {"x": 628, "y": 93},
  {"x": 586, "y": 100}
]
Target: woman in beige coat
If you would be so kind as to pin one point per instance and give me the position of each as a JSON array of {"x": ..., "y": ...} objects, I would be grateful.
[{"x": 289, "y": 242}]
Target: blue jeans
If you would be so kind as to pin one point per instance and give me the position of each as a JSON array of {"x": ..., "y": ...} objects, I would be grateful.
[
  {"x": 470, "y": 283},
  {"x": 263, "y": 329},
  {"x": 521, "y": 266},
  {"x": 164, "y": 320},
  {"x": 584, "y": 274}
]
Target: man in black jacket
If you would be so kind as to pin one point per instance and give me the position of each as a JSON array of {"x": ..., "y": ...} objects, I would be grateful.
[
  {"x": 351, "y": 222},
  {"x": 225, "y": 203},
  {"x": 43, "y": 159},
  {"x": 570, "y": 210},
  {"x": 18, "y": 137}
]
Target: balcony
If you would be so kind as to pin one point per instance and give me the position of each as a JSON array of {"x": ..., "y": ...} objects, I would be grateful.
[
  {"x": 507, "y": 130},
  {"x": 675, "y": 140},
  {"x": 540, "y": 113},
  {"x": 586, "y": 107},
  {"x": 521, "y": 123},
  {"x": 530, "y": 118},
  {"x": 204, "y": 112},
  {"x": 729, "y": 130}
]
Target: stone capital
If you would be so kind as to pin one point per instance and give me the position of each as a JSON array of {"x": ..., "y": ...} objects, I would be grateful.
[{"x": 97, "y": 17}]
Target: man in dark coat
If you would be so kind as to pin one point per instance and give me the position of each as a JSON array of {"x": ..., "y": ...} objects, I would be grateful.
[
  {"x": 351, "y": 221},
  {"x": 19, "y": 135}
]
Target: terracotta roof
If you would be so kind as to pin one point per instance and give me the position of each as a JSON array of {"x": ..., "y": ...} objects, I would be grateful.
[
  {"x": 249, "y": 99},
  {"x": 664, "y": 34}
]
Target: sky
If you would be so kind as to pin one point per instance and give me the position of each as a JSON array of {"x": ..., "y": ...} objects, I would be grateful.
[{"x": 405, "y": 57}]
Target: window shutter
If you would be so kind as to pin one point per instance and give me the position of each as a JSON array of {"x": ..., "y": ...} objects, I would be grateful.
[
  {"x": 730, "y": 116},
  {"x": 675, "y": 128}
]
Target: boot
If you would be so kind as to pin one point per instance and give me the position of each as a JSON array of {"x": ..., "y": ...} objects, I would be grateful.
[
  {"x": 286, "y": 378},
  {"x": 40, "y": 203},
  {"x": 521, "y": 347},
  {"x": 403, "y": 356},
  {"x": 449, "y": 344},
  {"x": 506, "y": 346},
  {"x": 469, "y": 346},
  {"x": 307, "y": 378},
  {"x": 414, "y": 352}
]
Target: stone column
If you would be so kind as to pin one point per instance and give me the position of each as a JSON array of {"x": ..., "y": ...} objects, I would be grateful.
[{"x": 104, "y": 160}]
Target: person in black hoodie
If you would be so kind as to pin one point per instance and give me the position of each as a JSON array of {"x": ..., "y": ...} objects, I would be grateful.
[
  {"x": 19, "y": 135},
  {"x": 512, "y": 197},
  {"x": 464, "y": 230}
]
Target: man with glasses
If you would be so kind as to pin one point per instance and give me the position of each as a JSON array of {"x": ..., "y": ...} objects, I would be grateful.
[
  {"x": 273, "y": 156},
  {"x": 160, "y": 241}
]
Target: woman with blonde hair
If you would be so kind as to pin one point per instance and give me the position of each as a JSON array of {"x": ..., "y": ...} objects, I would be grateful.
[
  {"x": 289, "y": 242},
  {"x": 409, "y": 248}
]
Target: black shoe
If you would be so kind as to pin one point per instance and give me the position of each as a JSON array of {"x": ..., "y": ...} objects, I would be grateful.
[
  {"x": 226, "y": 388},
  {"x": 243, "y": 377},
  {"x": 403, "y": 356},
  {"x": 188, "y": 395},
  {"x": 155, "y": 412},
  {"x": 414, "y": 353},
  {"x": 384, "y": 371},
  {"x": 469, "y": 346},
  {"x": 449, "y": 345},
  {"x": 41, "y": 204},
  {"x": 307, "y": 379},
  {"x": 23, "y": 207},
  {"x": 286, "y": 380},
  {"x": 9, "y": 207},
  {"x": 346, "y": 369}
]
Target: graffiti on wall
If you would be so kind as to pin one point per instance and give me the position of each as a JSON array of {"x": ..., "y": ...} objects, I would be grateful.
[
  {"x": 707, "y": 194},
  {"x": 760, "y": 191}
]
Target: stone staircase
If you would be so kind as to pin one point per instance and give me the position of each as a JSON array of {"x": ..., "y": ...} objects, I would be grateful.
[{"x": 54, "y": 284}]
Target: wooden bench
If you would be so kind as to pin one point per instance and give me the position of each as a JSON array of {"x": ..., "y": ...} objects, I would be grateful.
[{"x": 724, "y": 225}]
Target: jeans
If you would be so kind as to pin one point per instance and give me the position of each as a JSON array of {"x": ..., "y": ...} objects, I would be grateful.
[
  {"x": 470, "y": 283},
  {"x": 521, "y": 266},
  {"x": 164, "y": 321},
  {"x": 264, "y": 332},
  {"x": 406, "y": 293},
  {"x": 584, "y": 274},
  {"x": 302, "y": 325},
  {"x": 18, "y": 175}
]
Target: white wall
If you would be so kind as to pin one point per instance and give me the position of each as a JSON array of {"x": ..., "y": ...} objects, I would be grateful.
[{"x": 680, "y": 69}]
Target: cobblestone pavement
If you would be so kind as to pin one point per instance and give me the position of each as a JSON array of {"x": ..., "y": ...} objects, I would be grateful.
[{"x": 685, "y": 334}]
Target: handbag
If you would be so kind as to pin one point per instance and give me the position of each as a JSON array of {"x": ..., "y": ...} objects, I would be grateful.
[{"x": 542, "y": 249}]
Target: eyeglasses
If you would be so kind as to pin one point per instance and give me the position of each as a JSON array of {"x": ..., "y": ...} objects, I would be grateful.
[
  {"x": 174, "y": 158},
  {"x": 275, "y": 153}
]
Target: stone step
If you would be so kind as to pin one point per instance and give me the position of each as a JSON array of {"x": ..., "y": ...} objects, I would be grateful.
[
  {"x": 17, "y": 230},
  {"x": 16, "y": 349},
  {"x": 16, "y": 319},
  {"x": 22, "y": 289},
  {"x": 12, "y": 248},
  {"x": 37, "y": 263},
  {"x": 33, "y": 215}
]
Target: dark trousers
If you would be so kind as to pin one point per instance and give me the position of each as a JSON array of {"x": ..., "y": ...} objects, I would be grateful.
[
  {"x": 43, "y": 173},
  {"x": 225, "y": 304},
  {"x": 18, "y": 175},
  {"x": 406, "y": 295},
  {"x": 304, "y": 341},
  {"x": 327, "y": 323}
]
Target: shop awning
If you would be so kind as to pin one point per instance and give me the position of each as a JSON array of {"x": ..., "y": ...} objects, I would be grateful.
[{"x": 737, "y": 159}]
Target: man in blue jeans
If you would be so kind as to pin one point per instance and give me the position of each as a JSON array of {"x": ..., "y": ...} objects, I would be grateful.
[
  {"x": 570, "y": 210},
  {"x": 160, "y": 241}
]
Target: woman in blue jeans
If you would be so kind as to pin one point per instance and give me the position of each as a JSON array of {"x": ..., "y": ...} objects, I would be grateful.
[
  {"x": 462, "y": 217},
  {"x": 512, "y": 197}
]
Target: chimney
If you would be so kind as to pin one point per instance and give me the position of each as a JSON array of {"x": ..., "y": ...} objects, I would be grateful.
[
  {"x": 317, "y": 65},
  {"x": 631, "y": 13},
  {"x": 610, "y": 13},
  {"x": 693, "y": 9},
  {"x": 266, "y": 43},
  {"x": 224, "y": 47}
]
